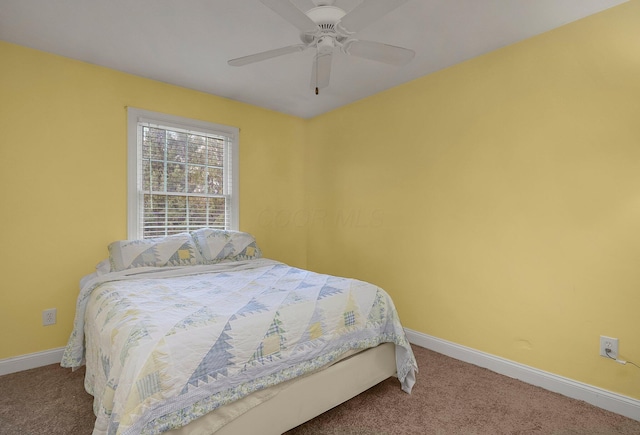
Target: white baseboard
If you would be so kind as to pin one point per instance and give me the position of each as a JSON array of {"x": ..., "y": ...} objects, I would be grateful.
[
  {"x": 604, "y": 399},
  {"x": 30, "y": 361}
]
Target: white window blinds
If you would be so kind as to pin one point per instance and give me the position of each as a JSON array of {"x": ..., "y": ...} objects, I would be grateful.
[{"x": 185, "y": 175}]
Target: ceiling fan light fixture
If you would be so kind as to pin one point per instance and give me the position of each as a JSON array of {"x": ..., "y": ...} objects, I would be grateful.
[{"x": 325, "y": 44}]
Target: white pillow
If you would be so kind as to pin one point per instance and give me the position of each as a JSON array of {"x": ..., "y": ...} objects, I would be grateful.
[{"x": 103, "y": 267}]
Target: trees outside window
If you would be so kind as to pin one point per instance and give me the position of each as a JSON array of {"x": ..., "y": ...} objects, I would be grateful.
[{"x": 183, "y": 174}]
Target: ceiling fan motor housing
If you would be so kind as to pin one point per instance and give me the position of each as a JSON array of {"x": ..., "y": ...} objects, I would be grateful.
[{"x": 326, "y": 17}]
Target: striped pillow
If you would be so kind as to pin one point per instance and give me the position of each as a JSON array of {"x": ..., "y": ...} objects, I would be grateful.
[
  {"x": 224, "y": 245},
  {"x": 175, "y": 250}
]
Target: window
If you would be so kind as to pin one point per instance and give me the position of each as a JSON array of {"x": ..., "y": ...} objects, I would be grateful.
[{"x": 183, "y": 175}]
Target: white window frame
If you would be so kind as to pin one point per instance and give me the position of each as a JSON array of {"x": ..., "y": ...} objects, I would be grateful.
[{"x": 135, "y": 119}]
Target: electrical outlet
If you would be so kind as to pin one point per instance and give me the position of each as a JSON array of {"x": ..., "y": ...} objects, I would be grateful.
[
  {"x": 608, "y": 343},
  {"x": 49, "y": 317}
]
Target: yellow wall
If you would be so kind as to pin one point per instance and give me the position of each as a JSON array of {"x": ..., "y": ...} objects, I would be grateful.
[
  {"x": 498, "y": 201},
  {"x": 63, "y": 180}
]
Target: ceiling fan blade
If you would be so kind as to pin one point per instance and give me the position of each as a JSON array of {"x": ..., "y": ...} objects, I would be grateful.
[
  {"x": 240, "y": 61},
  {"x": 366, "y": 13},
  {"x": 292, "y": 14},
  {"x": 321, "y": 71},
  {"x": 379, "y": 52}
]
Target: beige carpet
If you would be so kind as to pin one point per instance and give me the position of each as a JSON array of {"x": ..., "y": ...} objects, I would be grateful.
[{"x": 450, "y": 397}]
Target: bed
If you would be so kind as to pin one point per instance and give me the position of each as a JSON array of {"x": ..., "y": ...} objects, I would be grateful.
[{"x": 197, "y": 333}]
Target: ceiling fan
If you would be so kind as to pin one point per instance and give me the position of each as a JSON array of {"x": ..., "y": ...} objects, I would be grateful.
[{"x": 326, "y": 28}]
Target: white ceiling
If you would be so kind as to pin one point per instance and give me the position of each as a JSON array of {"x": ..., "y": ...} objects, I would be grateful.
[{"x": 188, "y": 42}]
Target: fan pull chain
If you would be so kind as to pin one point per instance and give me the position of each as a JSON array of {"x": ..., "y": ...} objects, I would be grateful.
[{"x": 317, "y": 53}]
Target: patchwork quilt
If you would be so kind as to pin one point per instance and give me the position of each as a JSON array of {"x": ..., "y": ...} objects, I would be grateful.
[{"x": 165, "y": 346}]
